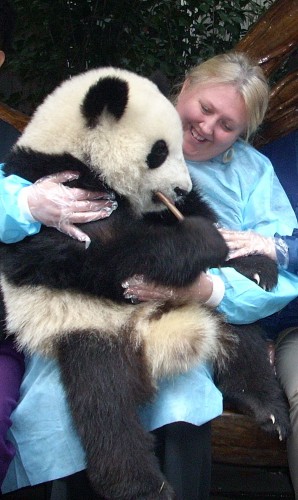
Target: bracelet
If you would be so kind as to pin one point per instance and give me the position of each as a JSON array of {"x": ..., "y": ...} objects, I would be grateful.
[{"x": 218, "y": 291}]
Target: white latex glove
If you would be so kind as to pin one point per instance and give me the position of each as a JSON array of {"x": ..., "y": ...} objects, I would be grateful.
[
  {"x": 59, "y": 206},
  {"x": 206, "y": 289},
  {"x": 243, "y": 243}
]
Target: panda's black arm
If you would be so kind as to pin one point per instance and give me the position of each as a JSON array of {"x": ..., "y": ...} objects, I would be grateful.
[
  {"x": 32, "y": 165},
  {"x": 258, "y": 268},
  {"x": 170, "y": 255}
]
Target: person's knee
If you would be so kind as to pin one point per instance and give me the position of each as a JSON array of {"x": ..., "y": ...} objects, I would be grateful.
[
  {"x": 286, "y": 365},
  {"x": 293, "y": 402}
]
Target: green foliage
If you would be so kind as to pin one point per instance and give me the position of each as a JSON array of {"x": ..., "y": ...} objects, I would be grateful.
[{"x": 60, "y": 38}]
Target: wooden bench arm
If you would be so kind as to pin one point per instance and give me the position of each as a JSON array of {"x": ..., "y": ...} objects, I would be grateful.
[
  {"x": 237, "y": 439},
  {"x": 282, "y": 114},
  {"x": 270, "y": 42},
  {"x": 14, "y": 117}
]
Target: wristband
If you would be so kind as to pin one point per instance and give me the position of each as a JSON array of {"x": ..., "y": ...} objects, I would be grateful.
[{"x": 218, "y": 291}]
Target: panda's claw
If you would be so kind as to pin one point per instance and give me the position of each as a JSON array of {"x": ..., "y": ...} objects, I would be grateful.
[
  {"x": 272, "y": 417},
  {"x": 256, "y": 278},
  {"x": 162, "y": 487}
]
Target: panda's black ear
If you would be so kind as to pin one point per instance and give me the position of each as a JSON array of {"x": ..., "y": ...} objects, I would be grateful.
[
  {"x": 109, "y": 93},
  {"x": 162, "y": 82}
]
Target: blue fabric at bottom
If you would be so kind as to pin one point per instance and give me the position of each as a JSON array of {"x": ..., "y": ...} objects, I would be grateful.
[
  {"x": 191, "y": 397},
  {"x": 49, "y": 448}
]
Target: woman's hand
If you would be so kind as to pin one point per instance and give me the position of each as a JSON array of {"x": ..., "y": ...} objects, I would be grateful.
[
  {"x": 242, "y": 243},
  {"x": 59, "y": 206},
  {"x": 138, "y": 290}
]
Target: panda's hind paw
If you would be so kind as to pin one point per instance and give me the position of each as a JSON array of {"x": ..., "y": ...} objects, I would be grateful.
[{"x": 277, "y": 425}]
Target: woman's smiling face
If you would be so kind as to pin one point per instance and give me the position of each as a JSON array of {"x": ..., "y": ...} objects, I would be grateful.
[{"x": 213, "y": 117}]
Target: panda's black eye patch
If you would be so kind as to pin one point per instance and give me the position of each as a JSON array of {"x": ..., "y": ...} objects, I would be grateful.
[{"x": 158, "y": 154}]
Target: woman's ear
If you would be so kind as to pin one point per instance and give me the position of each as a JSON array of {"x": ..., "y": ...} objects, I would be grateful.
[{"x": 2, "y": 57}]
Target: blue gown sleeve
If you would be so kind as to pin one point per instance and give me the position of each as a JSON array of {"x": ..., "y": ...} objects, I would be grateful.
[
  {"x": 245, "y": 302},
  {"x": 13, "y": 224}
]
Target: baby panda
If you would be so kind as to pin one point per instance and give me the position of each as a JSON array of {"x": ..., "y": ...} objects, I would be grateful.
[{"x": 120, "y": 133}]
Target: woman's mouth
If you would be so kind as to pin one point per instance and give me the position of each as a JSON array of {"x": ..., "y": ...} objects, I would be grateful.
[{"x": 196, "y": 135}]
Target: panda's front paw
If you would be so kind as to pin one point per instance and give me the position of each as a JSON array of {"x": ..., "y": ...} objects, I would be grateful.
[{"x": 258, "y": 268}]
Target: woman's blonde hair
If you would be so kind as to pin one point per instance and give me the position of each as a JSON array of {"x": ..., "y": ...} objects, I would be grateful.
[{"x": 235, "y": 68}]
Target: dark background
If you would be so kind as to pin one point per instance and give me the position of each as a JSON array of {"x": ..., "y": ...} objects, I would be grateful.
[{"x": 55, "y": 39}]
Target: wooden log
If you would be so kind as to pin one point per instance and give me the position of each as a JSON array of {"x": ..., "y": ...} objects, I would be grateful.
[
  {"x": 270, "y": 42},
  {"x": 273, "y": 37},
  {"x": 237, "y": 439},
  {"x": 14, "y": 117},
  {"x": 282, "y": 114}
]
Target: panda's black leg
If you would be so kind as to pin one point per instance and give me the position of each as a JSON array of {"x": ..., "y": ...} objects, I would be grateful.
[
  {"x": 105, "y": 382},
  {"x": 249, "y": 383}
]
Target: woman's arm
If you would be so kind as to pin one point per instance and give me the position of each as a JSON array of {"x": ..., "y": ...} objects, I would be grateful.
[
  {"x": 206, "y": 289},
  {"x": 267, "y": 210},
  {"x": 24, "y": 206},
  {"x": 283, "y": 249},
  {"x": 14, "y": 225},
  {"x": 245, "y": 302}
]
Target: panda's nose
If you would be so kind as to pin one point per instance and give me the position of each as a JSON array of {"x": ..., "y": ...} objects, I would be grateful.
[{"x": 181, "y": 193}]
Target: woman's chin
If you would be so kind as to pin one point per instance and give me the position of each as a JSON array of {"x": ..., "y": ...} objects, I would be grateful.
[
  {"x": 194, "y": 150},
  {"x": 197, "y": 154}
]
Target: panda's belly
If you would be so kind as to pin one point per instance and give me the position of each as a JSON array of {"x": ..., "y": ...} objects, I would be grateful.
[
  {"x": 38, "y": 316},
  {"x": 173, "y": 337}
]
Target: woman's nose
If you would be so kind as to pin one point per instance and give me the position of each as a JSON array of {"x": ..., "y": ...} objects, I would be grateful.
[{"x": 207, "y": 126}]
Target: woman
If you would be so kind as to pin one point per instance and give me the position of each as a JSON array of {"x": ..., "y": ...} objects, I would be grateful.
[
  {"x": 221, "y": 100},
  {"x": 284, "y": 250}
]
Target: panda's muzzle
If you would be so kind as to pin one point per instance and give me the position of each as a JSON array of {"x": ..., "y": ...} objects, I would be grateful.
[{"x": 180, "y": 193}]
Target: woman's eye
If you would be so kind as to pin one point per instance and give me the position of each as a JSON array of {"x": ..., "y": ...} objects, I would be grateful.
[
  {"x": 226, "y": 127},
  {"x": 205, "y": 109}
]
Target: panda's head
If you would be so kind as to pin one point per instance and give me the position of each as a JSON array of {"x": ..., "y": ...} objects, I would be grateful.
[{"x": 122, "y": 127}]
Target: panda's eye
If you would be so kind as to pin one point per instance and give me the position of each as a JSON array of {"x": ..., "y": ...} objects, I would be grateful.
[{"x": 158, "y": 154}]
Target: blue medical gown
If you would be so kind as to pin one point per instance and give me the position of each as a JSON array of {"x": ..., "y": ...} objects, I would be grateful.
[
  {"x": 13, "y": 225},
  {"x": 246, "y": 195}
]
